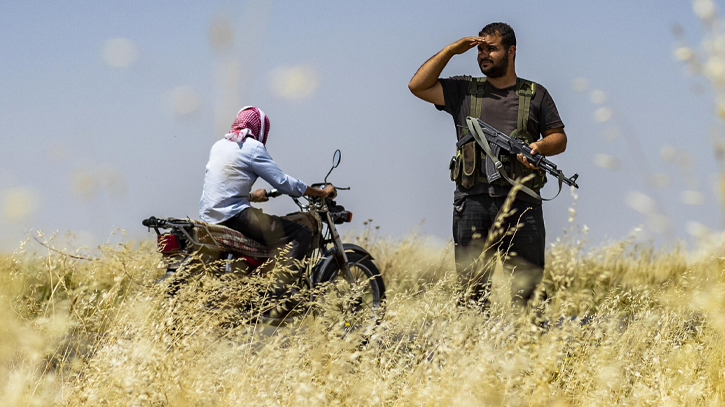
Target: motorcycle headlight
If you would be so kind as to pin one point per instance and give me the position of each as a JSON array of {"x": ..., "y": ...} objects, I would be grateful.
[{"x": 341, "y": 217}]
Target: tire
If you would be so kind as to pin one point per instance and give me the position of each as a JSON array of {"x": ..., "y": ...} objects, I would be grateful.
[{"x": 371, "y": 296}]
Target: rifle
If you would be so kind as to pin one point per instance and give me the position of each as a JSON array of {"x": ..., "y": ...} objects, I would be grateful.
[{"x": 481, "y": 131}]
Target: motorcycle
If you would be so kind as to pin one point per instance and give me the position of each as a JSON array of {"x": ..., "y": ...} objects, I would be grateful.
[{"x": 192, "y": 246}]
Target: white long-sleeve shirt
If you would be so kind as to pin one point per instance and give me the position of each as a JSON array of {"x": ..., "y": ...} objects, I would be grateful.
[{"x": 230, "y": 173}]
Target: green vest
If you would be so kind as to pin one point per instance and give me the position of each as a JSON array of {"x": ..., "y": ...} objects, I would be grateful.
[{"x": 468, "y": 168}]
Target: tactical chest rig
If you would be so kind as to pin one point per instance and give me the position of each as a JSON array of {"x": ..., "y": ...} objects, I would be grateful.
[{"x": 471, "y": 165}]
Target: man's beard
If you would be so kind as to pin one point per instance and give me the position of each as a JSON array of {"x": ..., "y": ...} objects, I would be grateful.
[{"x": 496, "y": 70}]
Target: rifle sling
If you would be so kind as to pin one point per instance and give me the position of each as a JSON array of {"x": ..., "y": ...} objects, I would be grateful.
[{"x": 476, "y": 132}]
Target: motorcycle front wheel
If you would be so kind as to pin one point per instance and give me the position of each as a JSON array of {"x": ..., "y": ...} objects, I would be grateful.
[{"x": 366, "y": 292}]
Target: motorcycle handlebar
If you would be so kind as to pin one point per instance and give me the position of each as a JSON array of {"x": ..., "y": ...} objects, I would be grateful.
[
  {"x": 322, "y": 185},
  {"x": 153, "y": 222}
]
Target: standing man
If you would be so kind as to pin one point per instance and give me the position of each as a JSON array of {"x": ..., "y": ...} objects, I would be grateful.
[{"x": 520, "y": 108}]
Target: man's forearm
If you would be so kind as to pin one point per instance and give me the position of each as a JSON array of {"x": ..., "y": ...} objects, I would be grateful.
[
  {"x": 552, "y": 144},
  {"x": 310, "y": 191},
  {"x": 327, "y": 192},
  {"x": 428, "y": 73}
]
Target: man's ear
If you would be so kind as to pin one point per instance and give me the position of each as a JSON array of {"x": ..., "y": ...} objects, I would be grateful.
[{"x": 512, "y": 51}]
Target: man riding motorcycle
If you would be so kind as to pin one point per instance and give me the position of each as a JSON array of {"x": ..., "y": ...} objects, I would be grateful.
[{"x": 235, "y": 163}]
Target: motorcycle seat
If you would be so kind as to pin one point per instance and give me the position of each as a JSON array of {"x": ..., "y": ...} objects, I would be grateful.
[{"x": 231, "y": 240}]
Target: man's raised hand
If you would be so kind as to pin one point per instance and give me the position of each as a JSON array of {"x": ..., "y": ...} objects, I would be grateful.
[
  {"x": 425, "y": 84},
  {"x": 464, "y": 44}
]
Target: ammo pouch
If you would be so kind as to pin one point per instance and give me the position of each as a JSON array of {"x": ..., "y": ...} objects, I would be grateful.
[
  {"x": 465, "y": 165},
  {"x": 470, "y": 154}
]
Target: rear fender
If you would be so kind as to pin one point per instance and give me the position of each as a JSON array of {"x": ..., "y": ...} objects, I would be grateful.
[
  {"x": 329, "y": 257},
  {"x": 172, "y": 261}
]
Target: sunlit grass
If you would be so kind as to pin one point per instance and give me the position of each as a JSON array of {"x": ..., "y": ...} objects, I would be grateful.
[{"x": 627, "y": 324}]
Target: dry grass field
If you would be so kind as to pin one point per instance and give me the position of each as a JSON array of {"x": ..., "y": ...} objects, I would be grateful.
[{"x": 627, "y": 325}]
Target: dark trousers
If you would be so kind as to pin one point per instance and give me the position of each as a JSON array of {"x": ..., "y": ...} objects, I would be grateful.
[
  {"x": 519, "y": 238},
  {"x": 272, "y": 231},
  {"x": 278, "y": 233}
]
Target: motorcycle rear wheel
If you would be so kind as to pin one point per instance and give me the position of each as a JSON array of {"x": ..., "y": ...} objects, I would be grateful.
[{"x": 366, "y": 293}]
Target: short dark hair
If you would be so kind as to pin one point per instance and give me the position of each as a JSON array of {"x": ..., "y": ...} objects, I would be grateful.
[{"x": 508, "y": 37}]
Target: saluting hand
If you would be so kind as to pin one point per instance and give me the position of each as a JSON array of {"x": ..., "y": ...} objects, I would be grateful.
[{"x": 464, "y": 44}]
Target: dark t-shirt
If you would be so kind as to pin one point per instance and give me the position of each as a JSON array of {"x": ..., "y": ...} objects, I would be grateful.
[{"x": 499, "y": 108}]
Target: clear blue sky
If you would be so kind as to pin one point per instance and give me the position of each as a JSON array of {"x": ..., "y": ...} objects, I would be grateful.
[{"x": 71, "y": 121}]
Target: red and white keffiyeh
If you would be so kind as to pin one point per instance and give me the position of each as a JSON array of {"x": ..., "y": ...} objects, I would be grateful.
[{"x": 250, "y": 122}]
